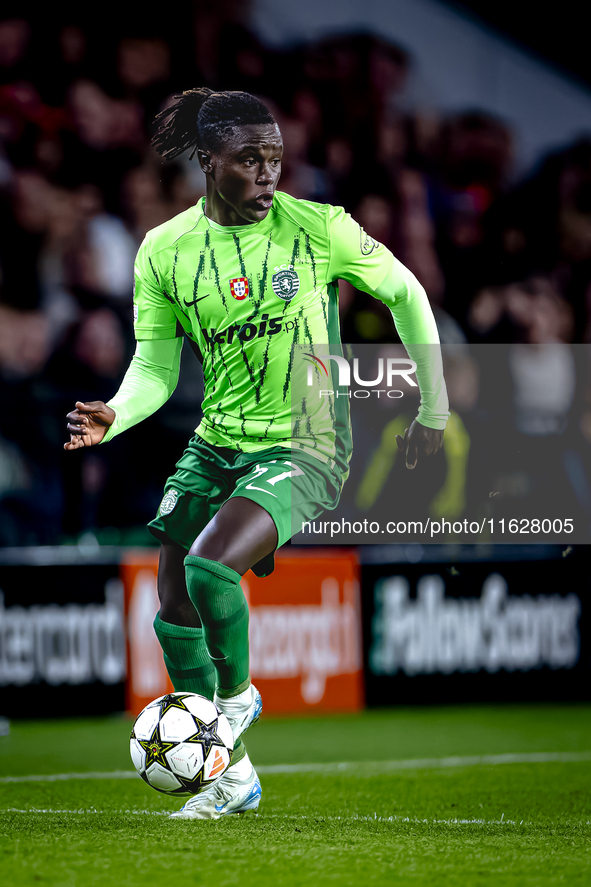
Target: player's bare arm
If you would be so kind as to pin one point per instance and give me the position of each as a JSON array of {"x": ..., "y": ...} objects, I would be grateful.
[{"x": 88, "y": 423}]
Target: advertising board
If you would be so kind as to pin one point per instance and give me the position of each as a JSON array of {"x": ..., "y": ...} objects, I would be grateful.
[
  {"x": 458, "y": 627},
  {"x": 305, "y": 632}
]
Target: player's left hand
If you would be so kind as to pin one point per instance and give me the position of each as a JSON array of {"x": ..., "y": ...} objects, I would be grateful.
[{"x": 419, "y": 439}]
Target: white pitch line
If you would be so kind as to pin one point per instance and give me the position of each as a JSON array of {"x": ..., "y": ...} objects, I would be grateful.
[
  {"x": 297, "y": 817},
  {"x": 59, "y": 777},
  {"x": 360, "y": 767},
  {"x": 90, "y": 810},
  {"x": 354, "y": 768}
]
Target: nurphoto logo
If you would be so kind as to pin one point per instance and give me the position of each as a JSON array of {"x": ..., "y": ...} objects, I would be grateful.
[{"x": 388, "y": 370}]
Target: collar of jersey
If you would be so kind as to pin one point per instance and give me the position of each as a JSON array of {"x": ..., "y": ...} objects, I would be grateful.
[{"x": 238, "y": 229}]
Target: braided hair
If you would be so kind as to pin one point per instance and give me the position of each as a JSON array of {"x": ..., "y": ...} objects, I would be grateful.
[{"x": 203, "y": 118}]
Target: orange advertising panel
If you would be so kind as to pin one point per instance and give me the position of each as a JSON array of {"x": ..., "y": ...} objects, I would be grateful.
[{"x": 305, "y": 632}]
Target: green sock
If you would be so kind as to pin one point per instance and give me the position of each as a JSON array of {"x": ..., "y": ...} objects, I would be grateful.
[
  {"x": 186, "y": 658},
  {"x": 189, "y": 665},
  {"x": 215, "y": 592}
]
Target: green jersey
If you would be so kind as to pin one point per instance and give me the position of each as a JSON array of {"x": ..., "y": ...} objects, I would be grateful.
[{"x": 245, "y": 296}]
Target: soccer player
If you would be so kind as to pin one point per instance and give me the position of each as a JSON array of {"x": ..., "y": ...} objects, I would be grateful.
[{"x": 245, "y": 274}]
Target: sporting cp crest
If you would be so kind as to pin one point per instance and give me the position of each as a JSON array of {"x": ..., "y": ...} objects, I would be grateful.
[
  {"x": 367, "y": 243},
  {"x": 239, "y": 287},
  {"x": 285, "y": 283},
  {"x": 169, "y": 501}
]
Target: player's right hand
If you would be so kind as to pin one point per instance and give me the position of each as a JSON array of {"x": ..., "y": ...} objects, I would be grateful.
[{"x": 88, "y": 424}]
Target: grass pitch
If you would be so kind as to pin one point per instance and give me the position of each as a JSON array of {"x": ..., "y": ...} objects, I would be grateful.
[{"x": 441, "y": 796}]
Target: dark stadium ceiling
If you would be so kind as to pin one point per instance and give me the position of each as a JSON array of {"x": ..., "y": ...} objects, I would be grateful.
[{"x": 557, "y": 33}]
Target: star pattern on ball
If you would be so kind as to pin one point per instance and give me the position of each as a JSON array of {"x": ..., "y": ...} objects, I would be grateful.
[
  {"x": 155, "y": 749},
  {"x": 207, "y": 736},
  {"x": 171, "y": 700}
]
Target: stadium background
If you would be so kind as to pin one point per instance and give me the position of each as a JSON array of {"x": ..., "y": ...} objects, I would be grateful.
[{"x": 491, "y": 212}]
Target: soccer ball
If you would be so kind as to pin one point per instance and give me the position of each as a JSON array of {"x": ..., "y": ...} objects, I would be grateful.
[{"x": 181, "y": 743}]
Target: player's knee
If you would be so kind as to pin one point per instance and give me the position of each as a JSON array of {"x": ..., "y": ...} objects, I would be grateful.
[
  {"x": 212, "y": 548},
  {"x": 196, "y": 549},
  {"x": 240, "y": 534}
]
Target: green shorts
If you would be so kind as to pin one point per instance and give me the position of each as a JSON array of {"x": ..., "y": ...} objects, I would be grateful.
[{"x": 290, "y": 485}]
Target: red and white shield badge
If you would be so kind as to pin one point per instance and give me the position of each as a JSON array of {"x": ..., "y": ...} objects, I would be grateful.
[{"x": 239, "y": 287}]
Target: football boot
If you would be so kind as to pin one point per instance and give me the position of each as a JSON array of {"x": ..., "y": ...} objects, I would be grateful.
[{"x": 236, "y": 791}]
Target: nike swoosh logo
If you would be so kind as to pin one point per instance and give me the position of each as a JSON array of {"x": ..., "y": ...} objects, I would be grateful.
[
  {"x": 194, "y": 302},
  {"x": 220, "y": 807}
]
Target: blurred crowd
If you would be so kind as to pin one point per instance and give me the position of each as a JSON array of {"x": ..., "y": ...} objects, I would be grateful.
[{"x": 502, "y": 259}]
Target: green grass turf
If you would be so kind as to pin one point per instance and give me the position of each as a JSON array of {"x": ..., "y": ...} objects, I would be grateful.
[{"x": 505, "y": 824}]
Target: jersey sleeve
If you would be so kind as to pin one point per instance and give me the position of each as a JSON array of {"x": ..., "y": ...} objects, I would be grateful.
[
  {"x": 354, "y": 255},
  {"x": 148, "y": 383},
  {"x": 153, "y": 314},
  {"x": 414, "y": 320}
]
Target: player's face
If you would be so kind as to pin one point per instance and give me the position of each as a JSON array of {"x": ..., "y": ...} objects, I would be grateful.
[{"x": 244, "y": 174}]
